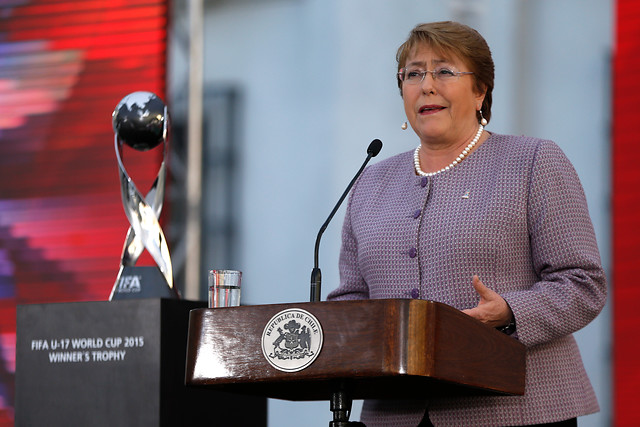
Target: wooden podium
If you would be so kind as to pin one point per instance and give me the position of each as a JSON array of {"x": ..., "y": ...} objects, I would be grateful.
[{"x": 370, "y": 349}]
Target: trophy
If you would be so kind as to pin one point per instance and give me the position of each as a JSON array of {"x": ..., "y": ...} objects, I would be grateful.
[{"x": 141, "y": 121}]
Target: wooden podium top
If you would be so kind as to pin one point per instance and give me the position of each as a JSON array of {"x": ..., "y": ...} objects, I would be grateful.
[{"x": 391, "y": 348}]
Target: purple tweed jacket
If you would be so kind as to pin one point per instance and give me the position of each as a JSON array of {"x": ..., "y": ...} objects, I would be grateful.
[{"x": 514, "y": 213}]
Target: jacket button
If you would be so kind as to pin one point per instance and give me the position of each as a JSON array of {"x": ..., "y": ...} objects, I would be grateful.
[
  {"x": 415, "y": 293},
  {"x": 413, "y": 252},
  {"x": 423, "y": 182},
  {"x": 416, "y": 214}
]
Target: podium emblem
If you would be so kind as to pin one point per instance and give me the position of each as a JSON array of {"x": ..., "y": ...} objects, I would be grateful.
[{"x": 292, "y": 340}]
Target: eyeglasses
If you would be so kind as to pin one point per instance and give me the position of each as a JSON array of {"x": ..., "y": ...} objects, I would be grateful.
[{"x": 414, "y": 76}]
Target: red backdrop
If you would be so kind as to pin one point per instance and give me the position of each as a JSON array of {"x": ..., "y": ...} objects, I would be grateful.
[
  {"x": 64, "y": 66},
  {"x": 626, "y": 214}
]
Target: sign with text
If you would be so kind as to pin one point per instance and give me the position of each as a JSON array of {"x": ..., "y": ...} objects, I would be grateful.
[{"x": 110, "y": 363}]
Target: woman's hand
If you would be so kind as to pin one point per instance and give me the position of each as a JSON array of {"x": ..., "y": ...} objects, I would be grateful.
[{"x": 492, "y": 308}]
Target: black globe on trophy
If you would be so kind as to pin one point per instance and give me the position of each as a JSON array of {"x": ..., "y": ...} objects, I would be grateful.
[{"x": 141, "y": 121}]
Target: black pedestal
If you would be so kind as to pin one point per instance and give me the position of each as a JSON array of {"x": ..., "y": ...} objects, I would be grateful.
[{"x": 118, "y": 363}]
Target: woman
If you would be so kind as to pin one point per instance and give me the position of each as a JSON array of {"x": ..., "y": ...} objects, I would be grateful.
[{"x": 494, "y": 225}]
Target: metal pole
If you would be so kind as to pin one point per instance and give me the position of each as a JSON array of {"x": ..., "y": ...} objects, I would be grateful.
[{"x": 194, "y": 151}]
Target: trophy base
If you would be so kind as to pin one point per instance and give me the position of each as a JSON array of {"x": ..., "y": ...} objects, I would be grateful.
[{"x": 141, "y": 282}]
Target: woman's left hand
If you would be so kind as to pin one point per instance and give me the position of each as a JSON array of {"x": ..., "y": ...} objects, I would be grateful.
[{"x": 492, "y": 308}]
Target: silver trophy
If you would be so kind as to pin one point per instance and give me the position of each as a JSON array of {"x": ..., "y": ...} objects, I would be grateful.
[{"x": 141, "y": 121}]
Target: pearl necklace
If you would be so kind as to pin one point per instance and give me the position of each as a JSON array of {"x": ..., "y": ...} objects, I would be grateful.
[{"x": 416, "y": 156}]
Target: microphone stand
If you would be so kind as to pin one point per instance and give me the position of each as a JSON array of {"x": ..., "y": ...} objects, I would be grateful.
[{"x": 316, "y": 275}]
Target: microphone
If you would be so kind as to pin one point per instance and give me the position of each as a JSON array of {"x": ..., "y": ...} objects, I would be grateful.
[{"x": 316, "y": 276}]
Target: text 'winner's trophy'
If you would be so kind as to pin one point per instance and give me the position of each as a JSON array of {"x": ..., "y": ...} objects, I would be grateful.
[{"x": 141, "y": 121}]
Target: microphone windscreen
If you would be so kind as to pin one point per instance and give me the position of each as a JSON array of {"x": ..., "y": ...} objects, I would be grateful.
[{"x": 374, "y": 147}]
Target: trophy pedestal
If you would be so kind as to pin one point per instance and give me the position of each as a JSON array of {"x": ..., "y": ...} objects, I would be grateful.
[
  {"x": 118, "y": 363},
  {"x": 141, "y": 282}
]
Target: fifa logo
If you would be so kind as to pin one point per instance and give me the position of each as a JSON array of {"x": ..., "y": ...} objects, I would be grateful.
[{"x": 130, "y": 284}]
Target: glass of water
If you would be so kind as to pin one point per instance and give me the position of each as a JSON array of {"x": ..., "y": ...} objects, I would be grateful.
[{"x": 224, "y": 288}]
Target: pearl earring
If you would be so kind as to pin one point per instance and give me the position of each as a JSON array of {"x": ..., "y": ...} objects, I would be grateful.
[
  {"x": 404, "y": 126},
  {"x": 483, "y": 121}
]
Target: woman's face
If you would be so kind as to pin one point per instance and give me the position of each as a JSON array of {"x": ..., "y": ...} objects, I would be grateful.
[{"x": 441, "y": 112}]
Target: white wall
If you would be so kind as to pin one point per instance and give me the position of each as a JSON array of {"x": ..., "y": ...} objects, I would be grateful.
[{"x": 317, "y": 81}]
